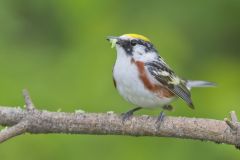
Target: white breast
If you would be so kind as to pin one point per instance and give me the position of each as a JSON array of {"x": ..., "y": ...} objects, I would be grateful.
[{"x": 131, "y": 88}]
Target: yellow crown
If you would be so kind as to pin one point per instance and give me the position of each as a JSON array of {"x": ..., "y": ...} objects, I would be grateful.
[{"x": 138, "y": 36}]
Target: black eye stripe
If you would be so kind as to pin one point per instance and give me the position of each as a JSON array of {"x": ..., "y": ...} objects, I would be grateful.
[{"x": 129, "y": 44}]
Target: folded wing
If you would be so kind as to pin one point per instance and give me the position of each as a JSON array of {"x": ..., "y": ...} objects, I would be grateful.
[{"x": 164, "y": 75}]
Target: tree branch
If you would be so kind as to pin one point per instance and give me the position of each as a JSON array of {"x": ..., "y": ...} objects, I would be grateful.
[
  {"x": 37, "y": 121},
  {"x": 13, "y": 131}
]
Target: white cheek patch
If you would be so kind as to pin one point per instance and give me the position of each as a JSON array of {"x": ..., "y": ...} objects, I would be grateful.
[
  {"x": 140, "y": 54},
  {"x": 144, "y": 56},
  {"x": 138, "y": 48}
]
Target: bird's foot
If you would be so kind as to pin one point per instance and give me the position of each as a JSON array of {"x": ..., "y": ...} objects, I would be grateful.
[
  {"x": 161, "y": 116},
  {"x": 126, "y": 116}
]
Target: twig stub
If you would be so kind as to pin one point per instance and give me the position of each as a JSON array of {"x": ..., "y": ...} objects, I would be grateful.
[
  {"x": 28, "y": 100},
  {"x": 235, "y": 127}
]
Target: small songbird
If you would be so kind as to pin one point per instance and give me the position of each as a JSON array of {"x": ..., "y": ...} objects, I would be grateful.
[{"x": 143, "y": 78}]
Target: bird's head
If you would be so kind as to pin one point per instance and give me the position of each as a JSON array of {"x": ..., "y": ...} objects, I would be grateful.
[{"x": 133, "y": 45}]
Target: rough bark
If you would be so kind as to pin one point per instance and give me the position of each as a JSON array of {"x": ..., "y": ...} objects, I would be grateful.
[{"x": 35, "y": 121}]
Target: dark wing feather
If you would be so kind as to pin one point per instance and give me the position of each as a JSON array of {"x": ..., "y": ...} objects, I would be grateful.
[
  {"x": 180, "y": 91},
  {"x": 156, "y": 68}
]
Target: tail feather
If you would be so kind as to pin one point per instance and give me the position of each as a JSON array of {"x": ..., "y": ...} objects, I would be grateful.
[{"x": 190, "y": 84}]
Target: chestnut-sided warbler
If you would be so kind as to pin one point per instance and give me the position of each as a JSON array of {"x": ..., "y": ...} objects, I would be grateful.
[{"x": 143, "y": 78}]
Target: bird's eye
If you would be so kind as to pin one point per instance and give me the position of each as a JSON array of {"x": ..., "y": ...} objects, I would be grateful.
[{"x": 133, "y": 42}]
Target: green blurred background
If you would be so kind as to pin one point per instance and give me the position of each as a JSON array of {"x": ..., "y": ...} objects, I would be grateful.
[{"x": 57, "y": 49}]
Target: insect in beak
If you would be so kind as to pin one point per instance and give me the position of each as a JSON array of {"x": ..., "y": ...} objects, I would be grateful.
[{"x": 113, "y": 40}]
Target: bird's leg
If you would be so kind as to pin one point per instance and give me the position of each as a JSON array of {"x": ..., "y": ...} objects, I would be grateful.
[
  {"x": 161, "y": 115},
  {"x": 160, "y": 118},
  {"x": 130, "y": 113}
]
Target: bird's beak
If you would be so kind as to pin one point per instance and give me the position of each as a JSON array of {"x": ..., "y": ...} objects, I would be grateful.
[{"x": 113, "y": 40}]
